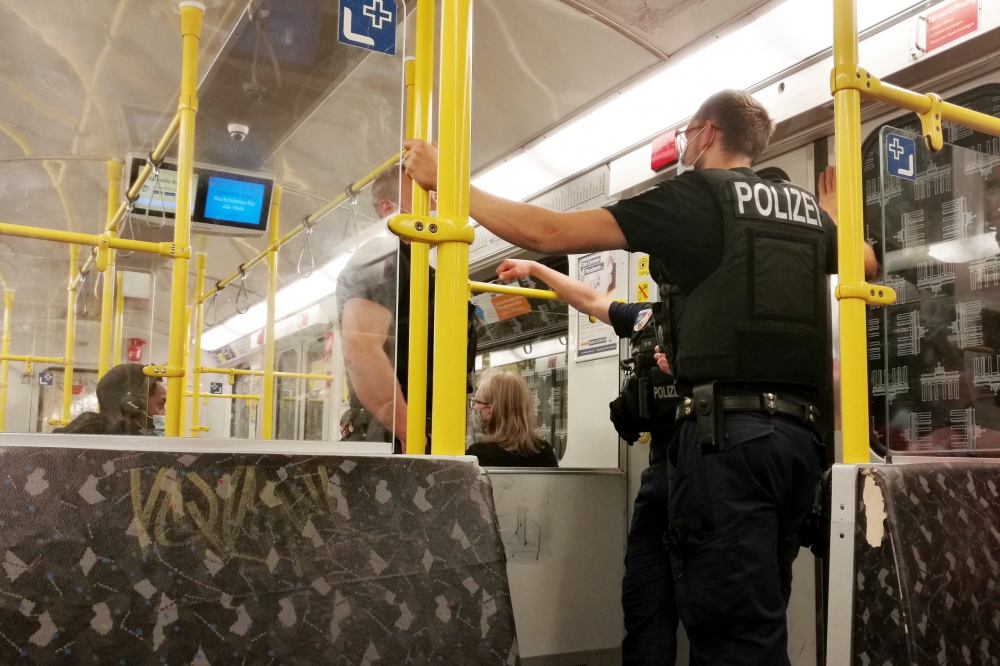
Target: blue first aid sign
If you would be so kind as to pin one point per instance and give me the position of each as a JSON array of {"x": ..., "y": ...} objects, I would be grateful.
[
  {"x": 368, "y": 24},
  {"x": 46, "y": 379},
  {"x": 901, "y": 156}
]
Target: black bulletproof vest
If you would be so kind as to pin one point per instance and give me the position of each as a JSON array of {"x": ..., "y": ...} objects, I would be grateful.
[{"x": 761, "y": 317}]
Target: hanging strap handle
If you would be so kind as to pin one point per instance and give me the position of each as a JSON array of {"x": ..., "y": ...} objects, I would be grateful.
[{"x": 242, "y": 292}]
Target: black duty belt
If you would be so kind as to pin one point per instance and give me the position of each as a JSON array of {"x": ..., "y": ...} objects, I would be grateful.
[{"x": 707, "y": 402}]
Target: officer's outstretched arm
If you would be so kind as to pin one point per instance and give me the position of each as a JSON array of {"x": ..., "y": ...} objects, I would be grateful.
[
  {"x": 531, "y": 227},
  {"x": 582, "y": 297},
  {"x": 365, "y": 325}
]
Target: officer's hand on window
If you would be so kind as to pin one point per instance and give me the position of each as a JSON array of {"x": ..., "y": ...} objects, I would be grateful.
[
  {"x": 827, "y": 191},
  {"x": 420, "y": 163},
  {"x": 511, "y": 269},
  {"x": 661, "y": 360}
]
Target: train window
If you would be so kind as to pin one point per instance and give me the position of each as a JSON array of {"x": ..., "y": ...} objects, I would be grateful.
[
  {"x": 933, "y": 355},
  {"x": 83, "y": 396},
  {"x": 527, "y": 336}
]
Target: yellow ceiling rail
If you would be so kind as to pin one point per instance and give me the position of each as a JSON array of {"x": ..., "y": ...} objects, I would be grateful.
[
  {"x": 849, "y": 83},
  {"x": 354, "y": 189},
  {"x": 515, "y": 291},
  {"x": 155, "y": 158}
]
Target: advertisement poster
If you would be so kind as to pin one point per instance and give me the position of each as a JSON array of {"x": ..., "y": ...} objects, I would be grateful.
[{"x": 596, "y": 339}]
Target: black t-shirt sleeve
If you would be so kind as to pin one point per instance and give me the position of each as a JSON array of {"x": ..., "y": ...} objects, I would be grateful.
[
  {"x": 623, "y": 317},
  {"x": 371, "y": 278},
  {"x": 680, "y": 223}
]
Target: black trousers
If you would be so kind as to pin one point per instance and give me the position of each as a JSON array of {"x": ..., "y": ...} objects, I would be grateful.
[{"x": 712, "y": 542}]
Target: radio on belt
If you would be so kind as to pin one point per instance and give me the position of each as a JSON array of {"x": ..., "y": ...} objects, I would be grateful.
[{"x": 664, "y": 151}]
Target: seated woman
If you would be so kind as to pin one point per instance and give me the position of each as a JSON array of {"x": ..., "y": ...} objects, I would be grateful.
[
  {"x": 505, "y": 422},
  {"x": 130, "y": 402}
]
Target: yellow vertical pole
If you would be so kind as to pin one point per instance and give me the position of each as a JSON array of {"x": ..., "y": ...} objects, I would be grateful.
[
  {"x": 853, "y": 341},
  {"x": 108, "y": 295},
  {"x": 420, "y": 88},
  {"x": 199, "y": 310},
  {"x": 187, "y": 356},
  {"x": 116, "y": 352},
  {"x": 8, "y": 306},
  {"x": 267, "y": 417},
  {"x": 451, "y": 292},
  {"x": 67, "y": 396},
  {"x": 191, "y": 15}
]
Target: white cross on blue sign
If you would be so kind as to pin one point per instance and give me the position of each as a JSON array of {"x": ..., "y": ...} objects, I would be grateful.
[
  {"x": 901, "y": 156},
  {"x": 368, "y": 24},
  {"x": 46, "y": 379}
]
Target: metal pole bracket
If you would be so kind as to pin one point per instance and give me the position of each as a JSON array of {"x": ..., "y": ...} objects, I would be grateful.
[
  {"x": 171, "y": 250},
  {"x": 432, "y": 230},
  {"x": 162, "y": 371},
  {"x": 852, "y": 77},
  {"x": 873, "y": 294},
  {"x": 930, "y": 123}
]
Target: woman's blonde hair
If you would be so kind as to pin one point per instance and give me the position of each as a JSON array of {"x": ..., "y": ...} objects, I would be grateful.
[{"x": 512, "y": 414}]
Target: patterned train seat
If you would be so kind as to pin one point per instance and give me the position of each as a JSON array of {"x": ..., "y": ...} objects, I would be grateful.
[
  {"x": 138, "y": 558},
  {"x": 927, "y": 565}
]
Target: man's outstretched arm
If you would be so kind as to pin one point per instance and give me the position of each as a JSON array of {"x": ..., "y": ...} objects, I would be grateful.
[
  {"x": 580, "y": 296},
  {"x": 531, "y": 227}
]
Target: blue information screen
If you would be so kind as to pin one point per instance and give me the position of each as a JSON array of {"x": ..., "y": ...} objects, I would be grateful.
[{"x": 234, "y": 200}]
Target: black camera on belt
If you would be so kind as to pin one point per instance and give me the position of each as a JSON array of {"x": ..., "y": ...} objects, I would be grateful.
[{"x": 648, "y": 397}]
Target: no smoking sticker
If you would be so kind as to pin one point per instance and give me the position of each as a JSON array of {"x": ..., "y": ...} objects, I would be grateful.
[{"x": 642, "y": 292}]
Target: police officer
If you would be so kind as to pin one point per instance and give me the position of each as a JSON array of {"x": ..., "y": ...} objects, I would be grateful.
[{"x": 750, "y": 258}]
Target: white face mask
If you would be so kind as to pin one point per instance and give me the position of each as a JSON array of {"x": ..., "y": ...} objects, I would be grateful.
[
  {"x": 478, "y": 422},
  {"x": 682, "y": 145},
  {"x": 159, "y": 425}
]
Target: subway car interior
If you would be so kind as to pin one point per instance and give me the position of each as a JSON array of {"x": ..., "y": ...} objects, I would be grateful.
[{"x": 204, "y": 201}]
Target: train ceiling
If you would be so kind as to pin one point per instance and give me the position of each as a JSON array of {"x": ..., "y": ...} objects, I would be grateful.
[{"x": 88, "y": 80}]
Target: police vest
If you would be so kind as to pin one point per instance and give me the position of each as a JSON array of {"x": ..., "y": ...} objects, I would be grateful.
[{"x": 761, "y": 317}]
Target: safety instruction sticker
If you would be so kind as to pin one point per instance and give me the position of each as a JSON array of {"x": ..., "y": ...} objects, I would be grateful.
[
  {"x": 643, "y": 266},
  {"x": 900, "y": 156},
  {"x": 642, "y": 292},
  {"x": 595, "y": 338},
  {"x": 215, "y": 388}
]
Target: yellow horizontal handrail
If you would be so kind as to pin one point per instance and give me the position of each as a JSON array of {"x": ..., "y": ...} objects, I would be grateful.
[
  {"x": 352, "y": 190},
  {"x": 518, "y": 291},
  {"x": 133, "y": 192},
  {"x": 259, "y": 373},
  {"x": 33, "y": 359},
  {"x": 232, "y": 396},
  {"x": 94, "y": 240}
]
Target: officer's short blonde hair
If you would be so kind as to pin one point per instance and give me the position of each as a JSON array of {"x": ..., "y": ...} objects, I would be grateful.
[{"x": 745, "y": 124}]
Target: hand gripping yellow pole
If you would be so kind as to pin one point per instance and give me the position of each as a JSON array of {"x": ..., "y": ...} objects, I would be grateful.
[
  {"x": 853, "y": 343},
  {"x": 272, "y": 290},
  {"x": 418, "y": 126},
  {"x": 191, "y": 15},
  {"x": 199, "y": 314},
  {"x": 108, "y": 295},
  {"x": 8, "y": 306},
  {"x": 67, "y": 396},
  {"x": 451, "y": 289},
  {"x": 116, "y": 351}
]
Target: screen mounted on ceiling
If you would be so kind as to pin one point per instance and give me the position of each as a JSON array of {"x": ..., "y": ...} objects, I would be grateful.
[{"x": 224, "y": 201}]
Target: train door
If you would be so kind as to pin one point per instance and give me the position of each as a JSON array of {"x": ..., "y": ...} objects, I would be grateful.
[
  {"x": 50, "y": 393},
  {"x": 243, "y": 424},
  {"x": 317, "y": 401},
  {"x": 287, "y": 395}
]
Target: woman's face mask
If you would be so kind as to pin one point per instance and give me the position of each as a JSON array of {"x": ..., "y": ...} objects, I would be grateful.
[
  {"x": 159, "y": 425},
  {"x": 478, "y": 422}
]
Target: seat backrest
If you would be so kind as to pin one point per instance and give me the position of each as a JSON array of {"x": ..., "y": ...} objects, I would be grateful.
[
  {"x": 113, "y": 557},
  {"x": 927, "y": 564}
]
